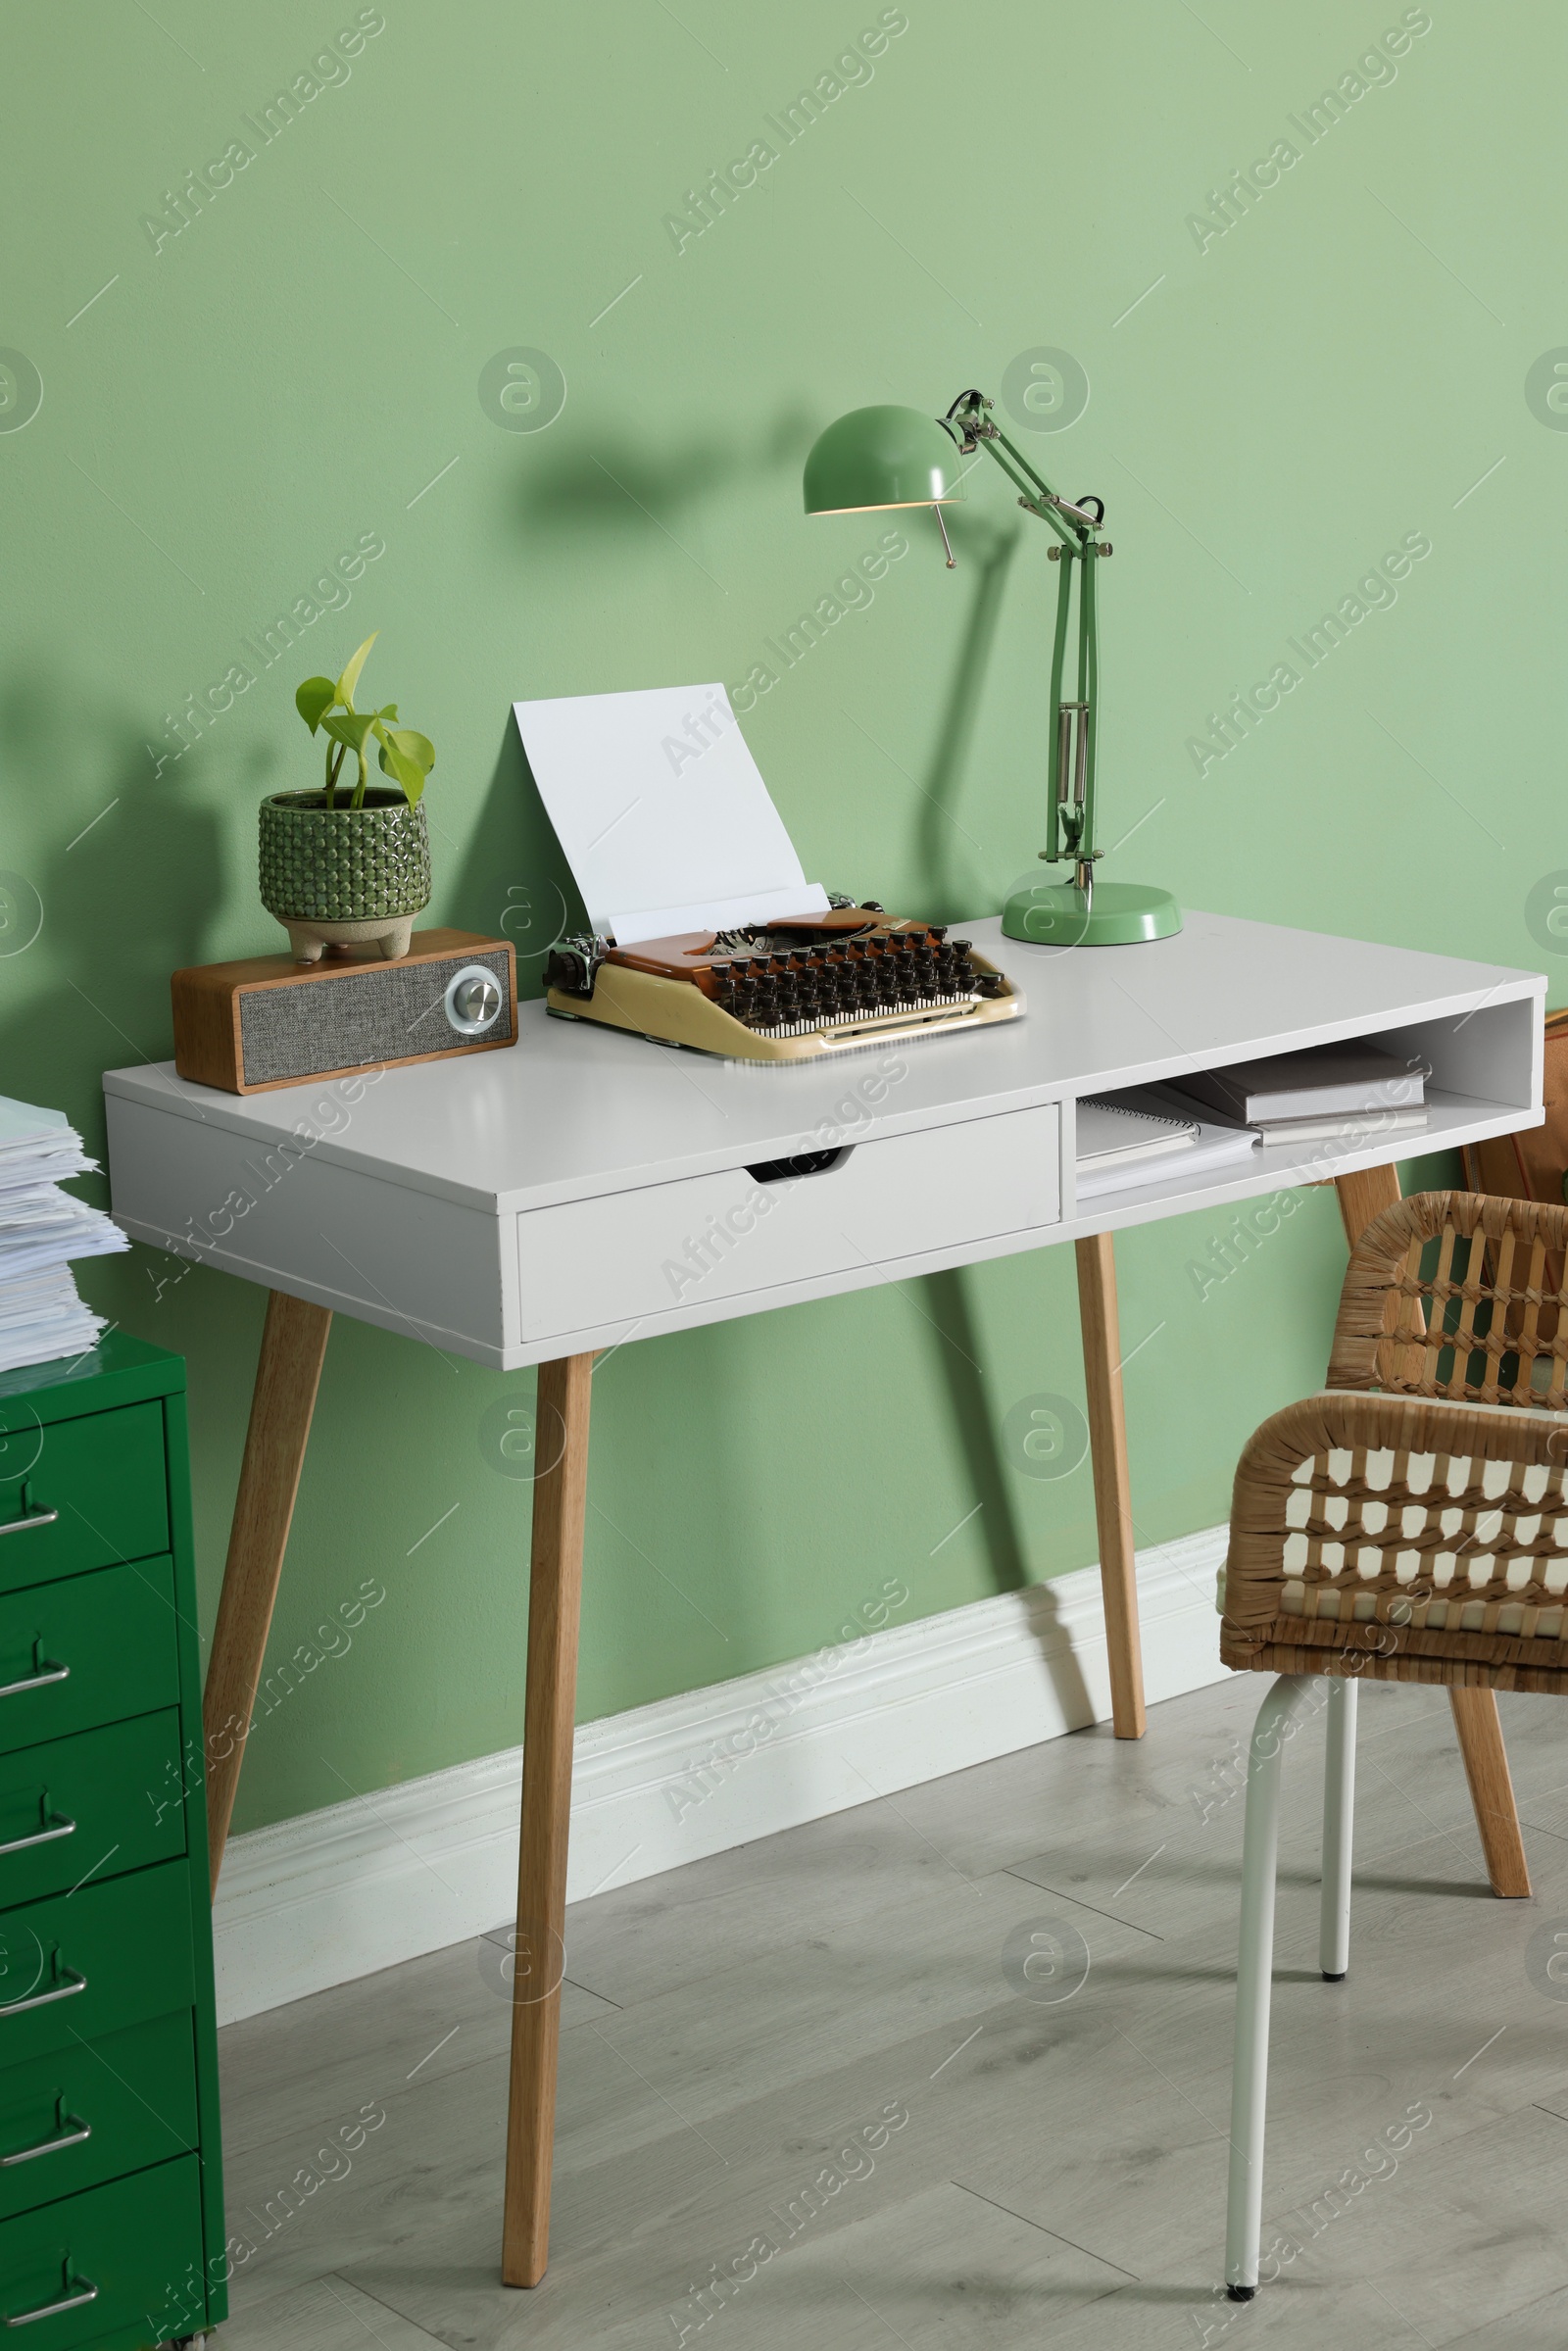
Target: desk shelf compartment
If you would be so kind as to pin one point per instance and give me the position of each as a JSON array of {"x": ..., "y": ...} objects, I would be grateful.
[
  {"x": 1485, "y": 1080},
  {"x": 1288, "y": 1167}
]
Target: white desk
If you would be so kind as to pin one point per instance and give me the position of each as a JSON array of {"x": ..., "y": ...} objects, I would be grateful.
[{"x": 537, "y": 1206}]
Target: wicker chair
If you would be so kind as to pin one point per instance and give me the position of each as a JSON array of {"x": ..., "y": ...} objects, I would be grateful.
[{"x": 1415, "y": 1535}]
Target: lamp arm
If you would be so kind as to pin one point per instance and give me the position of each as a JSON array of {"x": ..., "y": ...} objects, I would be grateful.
[
  {"x": 1058, "y": 747},
  {"x": 1038, "y": 494},
  {"x": 1070, "y": 802},
  {"x": 1083, "y": 850},
  {"x": 969, "y": 423}
]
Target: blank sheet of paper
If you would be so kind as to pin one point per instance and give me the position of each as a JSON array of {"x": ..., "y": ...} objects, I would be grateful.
[{"x": 663, "y": 813}]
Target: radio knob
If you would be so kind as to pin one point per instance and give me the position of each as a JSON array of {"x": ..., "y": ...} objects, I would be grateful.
[{"x": 472, "y": 998}]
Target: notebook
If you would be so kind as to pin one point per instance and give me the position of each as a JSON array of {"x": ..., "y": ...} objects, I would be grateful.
[
  {"x": 1198, "y": 1146},
  {"x": 1111, "y": 1135}
]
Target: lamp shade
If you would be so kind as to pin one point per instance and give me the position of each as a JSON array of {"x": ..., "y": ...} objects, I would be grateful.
[{"x": 879, "y": 457}]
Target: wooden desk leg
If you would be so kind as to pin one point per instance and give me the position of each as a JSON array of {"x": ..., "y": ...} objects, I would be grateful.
[
  {"x": 287, "y": 1374},
  {"x": 1363, "y": 1196},
  {"x": 1475, "y": 1711},
  {"x": 555, "y": 1590},
  {"x": 1113, "y": 1516}
]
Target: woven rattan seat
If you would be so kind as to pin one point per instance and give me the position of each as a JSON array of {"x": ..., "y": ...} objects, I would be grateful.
[{"x": 1409, "y": 1524}]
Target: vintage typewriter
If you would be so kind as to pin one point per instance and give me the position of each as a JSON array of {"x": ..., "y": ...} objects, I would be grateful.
[
  {"x": 703, "y": 929},
  {"x": 784, "y": 991}
]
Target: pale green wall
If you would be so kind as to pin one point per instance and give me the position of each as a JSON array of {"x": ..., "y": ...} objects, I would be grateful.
[{"x": 290, "y": 372}]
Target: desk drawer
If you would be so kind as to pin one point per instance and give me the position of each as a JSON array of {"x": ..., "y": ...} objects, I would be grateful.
[
  {"x": 85, "y": 1651},
  {"x": 94, "y": 2111},
  {"x": 128, "y": 2256},
  {"x": 82, "y": 1493},
  {"x": 647, "y": 1253},
  {"x": 82, "y": 1965},
  {"x": 91, "y": 1806}
]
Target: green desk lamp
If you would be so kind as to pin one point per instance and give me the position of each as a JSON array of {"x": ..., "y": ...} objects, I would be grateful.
[{"x": 894, "y": 457}]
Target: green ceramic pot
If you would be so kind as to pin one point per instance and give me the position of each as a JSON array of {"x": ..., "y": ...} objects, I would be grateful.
[{"x": 321, "y": 864}]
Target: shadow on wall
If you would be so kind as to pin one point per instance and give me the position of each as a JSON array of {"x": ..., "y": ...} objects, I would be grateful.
[
  {"x": 129, "y": 893},
  {"x": 952, "y": 861},
  {"x": 949, "y": 1298},
  {"x": 621, "y": 486},
  {"x": 515, "y": 882},
  {"x": 951, "y": 857}
]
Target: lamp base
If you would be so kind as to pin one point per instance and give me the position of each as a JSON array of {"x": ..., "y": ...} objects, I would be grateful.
[{"x": 1120, "y": 915}]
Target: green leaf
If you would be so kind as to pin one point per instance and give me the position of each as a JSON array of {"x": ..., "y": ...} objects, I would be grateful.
[
  {"x": 351, "y": 674},
  {"x": 350, "y": 727},
  {"x": 416, "y": 746},
  {"x": 313, "y": 699},
  {"x": 402, "y": 771}
]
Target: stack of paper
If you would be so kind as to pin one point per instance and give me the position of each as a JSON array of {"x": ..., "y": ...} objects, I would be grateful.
[
  {"x": 1342, "y": 1092},
  {"x": 41, "y": 1229}
]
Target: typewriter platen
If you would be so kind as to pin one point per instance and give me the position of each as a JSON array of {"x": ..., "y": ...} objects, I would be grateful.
[{"x": 785, "y": 991}]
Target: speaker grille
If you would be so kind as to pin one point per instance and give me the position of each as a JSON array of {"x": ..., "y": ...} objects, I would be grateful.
[{"x": 370, "y": 1013}]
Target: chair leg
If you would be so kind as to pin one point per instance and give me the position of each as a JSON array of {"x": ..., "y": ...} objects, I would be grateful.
[
  {"x": 1339, "y": 1824},
  {"x": 1254, "y": 1983},
  {"x": 1486, "y": 1767}
]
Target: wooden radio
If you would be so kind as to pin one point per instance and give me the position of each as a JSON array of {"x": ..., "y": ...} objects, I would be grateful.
[
  {"x": 787, "y": 991},
  {"x": 269, "y": 1021}
]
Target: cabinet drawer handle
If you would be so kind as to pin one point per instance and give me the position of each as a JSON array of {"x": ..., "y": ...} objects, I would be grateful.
[
  {"x": 20, "y": 1526},
  {"x": 66, "y": 1989},
  {"x": 73, "y": 2132},
  {"x": 59, "y": 1826},
  {"x": 47, "y": 1672},
  {"x": 80, "y": 2291}
]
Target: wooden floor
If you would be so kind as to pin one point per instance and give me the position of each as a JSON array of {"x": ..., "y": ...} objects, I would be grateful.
[{"x": 737, "y": 2033}]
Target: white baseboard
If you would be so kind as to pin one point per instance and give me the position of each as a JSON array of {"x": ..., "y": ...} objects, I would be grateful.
[{"x": 338, "y": 1893}]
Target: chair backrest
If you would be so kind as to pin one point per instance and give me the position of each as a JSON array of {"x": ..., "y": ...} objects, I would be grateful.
[
  {"x": 1427, "y": 1541},
  {"x": 1460, "y": 1296}
]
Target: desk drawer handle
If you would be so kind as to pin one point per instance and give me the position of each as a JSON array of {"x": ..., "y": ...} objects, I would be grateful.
[
  {"x": 47, "y": 1672},
  {"x": 80, "y": 2291},
  {"x": 20, "y": 1526},
  {"x": 73, "y": 2132},
  {"x": 65, "y": 1990},
  {"x": 59, "y": 1826},
  {"x": 801, "y": 1163}
]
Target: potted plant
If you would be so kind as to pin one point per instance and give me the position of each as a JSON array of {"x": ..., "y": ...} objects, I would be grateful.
[{"x": 343, "y": 872}]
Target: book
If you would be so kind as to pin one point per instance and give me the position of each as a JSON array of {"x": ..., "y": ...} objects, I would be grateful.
[
  {"x": 1325, "y": 1078},
  {"x": 1338, "y": 1129}
]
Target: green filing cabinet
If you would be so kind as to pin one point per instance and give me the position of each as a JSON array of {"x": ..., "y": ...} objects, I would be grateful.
[{"x": 111, "y": 2178}]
